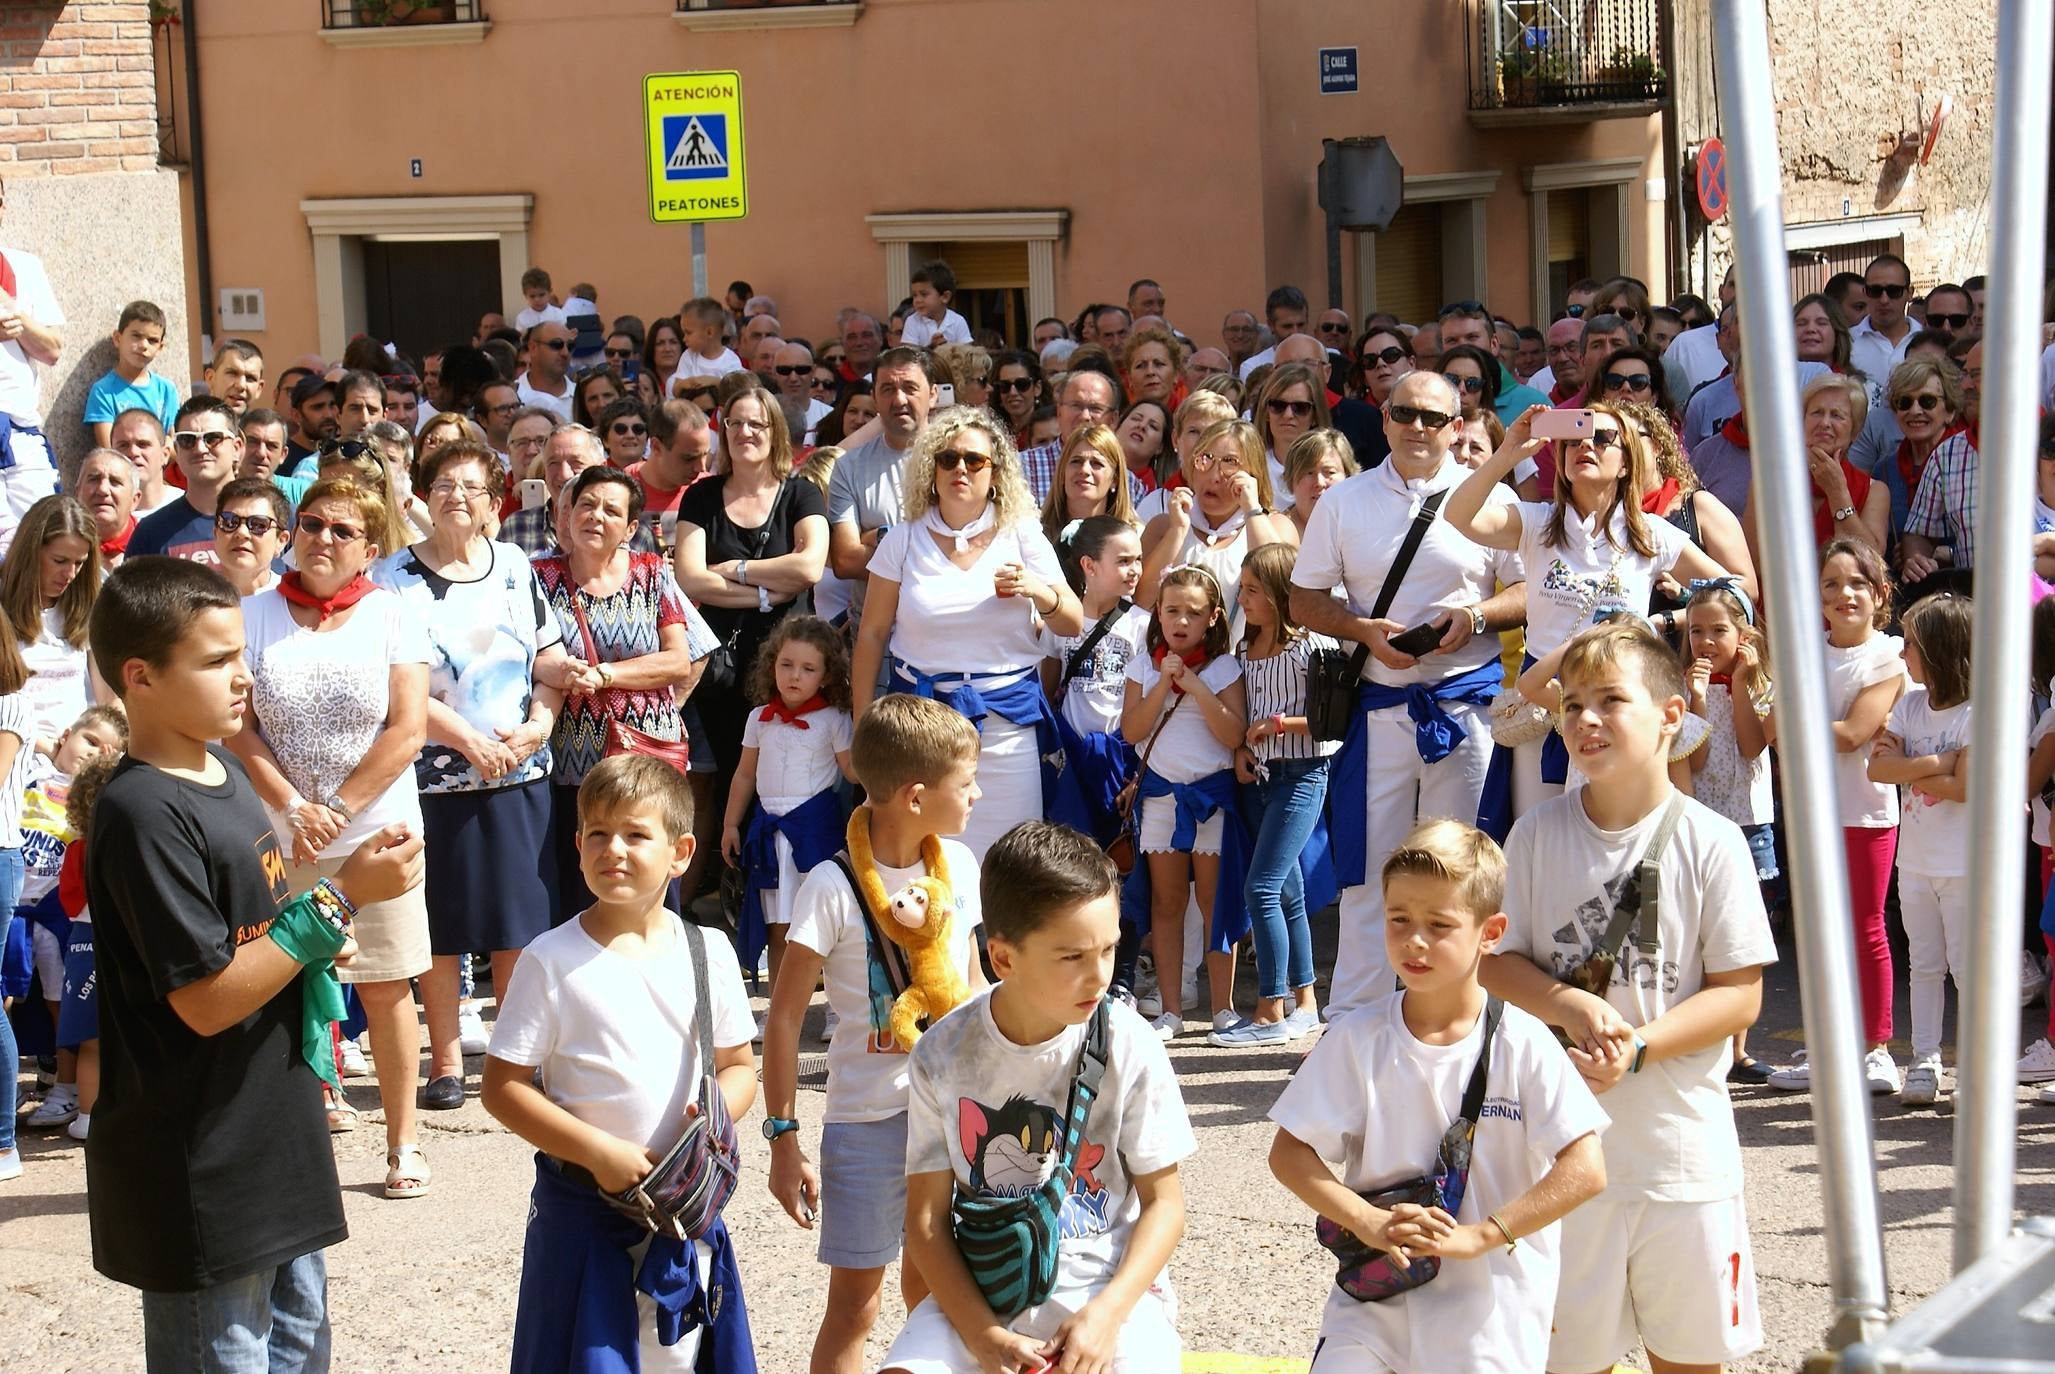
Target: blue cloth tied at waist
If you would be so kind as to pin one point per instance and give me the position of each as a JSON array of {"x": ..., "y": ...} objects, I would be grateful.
[
  {"x": 1436, "y": 734},
  {"x": 815, "y": 829},
  {"x": 9, "y": 427},
  {"x": 1196, "y": 801},
  {"x": 1018, "y": 698},
  {"x": 1495, "y": 815},
  {"x": 1100, "y": 763},
  {"x": 577, "y": 1308}
]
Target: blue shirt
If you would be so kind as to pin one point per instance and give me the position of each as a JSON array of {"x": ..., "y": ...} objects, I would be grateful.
[
  {"x": 114, "y": 393},
  {"x": 179, "y": 530},
  {"x": 1514, "y": 397}
]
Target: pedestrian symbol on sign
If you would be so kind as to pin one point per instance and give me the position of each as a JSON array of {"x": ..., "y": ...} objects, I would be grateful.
[{"x": 695, "y": 147}]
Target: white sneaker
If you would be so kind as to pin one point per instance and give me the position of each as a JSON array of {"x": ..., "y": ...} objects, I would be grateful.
[
  {"x": 1227, "y": 1020},
  {"x": 2037, "y": 1065},
  {"x": 353, "y": 1064},
  {"x": 2033, "y": 979},
  {"x": 1922, "y": 1083},
  {"x": 1191, "y": 992},
  {"x": 56, "y": 1110},
  {"x": 1148, "y": 996},
  {"x": 1880, "y": 1071},
  {"x": 1303, "y": 1022},
  {"x": 471, "y": 1035},
  {"x": 10, "y": 1165},
  {"x": 828, "y": 1024},
  {"x": 1169, "y": 1025},
  {"x": 1795, "y": 1077},
  {"x": 80, "y": 1124},
  {"x": 2046, "y": 1096}
]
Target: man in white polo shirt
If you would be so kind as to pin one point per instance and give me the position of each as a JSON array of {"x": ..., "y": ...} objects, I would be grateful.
[
  {"x": 31, "y": 332},
  {"x": 547, "y": 381},
  {"x": 1393, "y": 771}
]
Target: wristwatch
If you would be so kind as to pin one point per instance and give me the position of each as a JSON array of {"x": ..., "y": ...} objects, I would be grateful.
[
  {"x": 1845, "y": 513},
  {"x": 1640, "y": 1049},
  {"x": 1477, "y": 620},
  {"x": 335, "y": 804},
  {"x": 775, "y": 1126}
]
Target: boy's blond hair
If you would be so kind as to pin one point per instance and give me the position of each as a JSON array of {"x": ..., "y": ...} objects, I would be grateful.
[
  {"x": 1460, "y": 855},
  {"x": 627, "y": 780},
  {"x": 1630, "y": 646},
  {"x": 906, "y": 739}
]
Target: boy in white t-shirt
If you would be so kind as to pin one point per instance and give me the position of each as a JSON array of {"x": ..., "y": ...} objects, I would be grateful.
[
  {"x": 1662, "y": 1258},
  {"x": 702, "y": 321},
  {"x": 992, "y": 1100},
  {"x": 917, "y": 760},
  {"x": 1384, "y": 1086},
  {"x": 535, "y": 288},
  {"x": 606, "y": 1007},
  {"x": 932, "y": 321}
]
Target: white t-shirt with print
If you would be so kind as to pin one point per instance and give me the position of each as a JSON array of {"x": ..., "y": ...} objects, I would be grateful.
[
  {"x": 616, "y": 1038},
  {"x": 1933, "y": 836},
  {"x": 59, "y": 688},
  {"x": 1880, "y": 658},
  {"x": 1588, "y": 569},
  {"x": 991, "y": 1112},
  {"x": 1737, "y": 788},
  {"x": 1185, "y": 749},
  {"x": 951, "y": 620},
  {"x": 1375, "y": 1099},
  {"x": 793, "y": 766},
  {"x": 1353, "y": 536},
  {"x": 1094, "y": 699},
  {"x": 866, "y": 1066},
  {"x": 1672, "y": 1138}
]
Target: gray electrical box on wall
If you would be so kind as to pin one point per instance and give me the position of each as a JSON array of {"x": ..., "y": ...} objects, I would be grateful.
[{"x": 241, "y": 310}]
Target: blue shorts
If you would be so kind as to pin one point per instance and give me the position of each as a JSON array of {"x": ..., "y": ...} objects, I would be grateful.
[
  {"x": 78, "y": 1016},
  {"x": 1762, "y": 845},
  {"x": 863, "y": 1192}
]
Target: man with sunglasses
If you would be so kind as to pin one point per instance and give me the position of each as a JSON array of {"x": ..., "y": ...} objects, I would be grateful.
[
  {"x": 1468, "y": 322},
  {"x": 1877, "y": 344},
  {"x": 1392, "y": 772},
  {"x": 792, "y": 376},
  {"x": 547, "y": 382},
  {"x": 1950, "y": 309},
  {"x": 207, "y": 445},
  {"x": 1358, "y": 421}
]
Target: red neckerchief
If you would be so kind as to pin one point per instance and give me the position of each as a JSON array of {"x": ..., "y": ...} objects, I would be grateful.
[
  {"x": 1559, "y": 392},
  {"x": 1735, "y": 431},
  {"x": 1196, "y": 659},
  {"x": 117, "y": 546},
  {"x": 1910, "y": 475},
  {"x": 1722, "y": 680},
  {"x": 291, "y": 589},
  {"x": 1657, "y": 501},
  {"x": 793, "y": 716},
  {"x": 6, "y": 275}
]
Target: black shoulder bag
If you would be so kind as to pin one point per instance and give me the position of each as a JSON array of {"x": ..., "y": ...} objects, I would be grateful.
[
  {"x": 1083, "y": 652},
  {"x": 1637, "y": 908},
  {"x": 1333, "y": 675}
]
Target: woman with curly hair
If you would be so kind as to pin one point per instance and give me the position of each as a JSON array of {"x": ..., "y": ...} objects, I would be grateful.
[
  {"x": 1678, "y": 498},
  {"x": 976, "y": 580}
]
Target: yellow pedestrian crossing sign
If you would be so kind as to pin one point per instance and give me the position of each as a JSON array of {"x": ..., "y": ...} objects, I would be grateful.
[{"x": 694, "y": 136}]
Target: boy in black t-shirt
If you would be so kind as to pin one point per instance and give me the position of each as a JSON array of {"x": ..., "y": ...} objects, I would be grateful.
[{"x": 209, "y": 1177}]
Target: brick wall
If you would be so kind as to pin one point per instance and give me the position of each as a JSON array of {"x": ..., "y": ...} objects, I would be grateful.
[{"x": 78, "y": 92}]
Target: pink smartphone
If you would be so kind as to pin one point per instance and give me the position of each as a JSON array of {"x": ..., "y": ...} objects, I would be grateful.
[{"x": 1563, "y": 424}]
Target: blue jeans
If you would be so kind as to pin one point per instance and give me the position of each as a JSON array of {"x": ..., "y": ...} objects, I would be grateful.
[
  {"x": 274, "y": 1321},
  {"x": 10, "y": 1052},
  {"x": 1281, "y": 814}
]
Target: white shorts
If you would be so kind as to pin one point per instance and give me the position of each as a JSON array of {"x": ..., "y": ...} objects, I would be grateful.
[
  {"x": 1676, "y": 1277},
  {"x": 928, "y": 1344},
  {"x": 1159, "y": 823},
  {"x": 49, "y": 960},
  {"x": 1340, "y": 1355}
]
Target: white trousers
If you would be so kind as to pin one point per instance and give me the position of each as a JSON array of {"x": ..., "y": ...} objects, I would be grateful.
[{"x": 1936, "y": 915}]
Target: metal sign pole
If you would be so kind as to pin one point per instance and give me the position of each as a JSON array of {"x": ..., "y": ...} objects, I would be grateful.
[
  {"x": 1789, "y": 577},
  {"x": 698, "y": 259},
  {"x": 1987, "y": 1035}
]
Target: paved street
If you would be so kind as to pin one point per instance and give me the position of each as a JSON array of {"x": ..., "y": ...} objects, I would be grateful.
[{"x": 433, "y": 1281}]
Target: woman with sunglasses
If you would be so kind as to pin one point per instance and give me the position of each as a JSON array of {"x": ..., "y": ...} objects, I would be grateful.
[
  {"x": 592, "y": 393},
  {"x": 624, "y": 428},
  {"x": 1592, "y": 544},
  {"x": 1290, "y": 403},
  {"x": 1016, "y": 391},
  {"x": 252, "y": 521},
  {"x": 484, "y": 772},
  {"x": 1940, "y": 522},
  {"x": 959, "y": 594},
  {"x": 1474, "y": 374},
  {"x": 1634, "y": 376},
  {"x": 970, "y": 370},
  {"x": 338, "y": 712},
  {"x": 1382, "y": 357},
  {"x": 1925, "y": 399}
]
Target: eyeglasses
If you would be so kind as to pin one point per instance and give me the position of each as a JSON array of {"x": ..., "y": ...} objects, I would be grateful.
[
  {"x": 1926, "y": 400},
  {"x": 189, "y": 441},
  {"x": 348, "y": 448},
  {"x": 1409, "y": 415},
  {"x": 622, "y": 429},
  {"x": 949, "y": 459},
  {"x": 1389, "y": 356},
  {"x": 1627, "y": 381},
  {"x": 463, "y": 491},
  {"x": 258, "y": 525},
  {"x": 1087, "y": 408},
  {"x": 1876, "y": 291},
  {"x": 506, "y": 409},
  {"x": 314, "y": 526},
  {"x": 1023, "y": 385},
  {"x": 1206, "y": 462},
  {"x": 1298, "y": 410},
  {"x": 1946, "y": 321},
  {"x": 1473, "y": 385},
  {"x": 622, "y": 353},
  {"x": 746, "y": 426},
  {"x": 559, "y": 345}
]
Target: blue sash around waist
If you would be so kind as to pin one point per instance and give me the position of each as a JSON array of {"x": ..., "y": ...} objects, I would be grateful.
[
  {"x": 815, "y": 830},
  {"x": 1018, "y": 698},
  {"x": 1496, "y": 818},
  {"x": 1100, "y": 763},
  {"x": 9, "y": 427},
  {"x": 1195, "y": 802}
]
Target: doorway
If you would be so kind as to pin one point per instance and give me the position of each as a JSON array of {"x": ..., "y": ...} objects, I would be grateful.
[{"x": 423, "y": 295}]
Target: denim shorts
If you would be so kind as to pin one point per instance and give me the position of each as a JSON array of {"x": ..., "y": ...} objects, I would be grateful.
[
  {"x": 863, "y": 1192},
  {"x": 1762, "y": 845}
]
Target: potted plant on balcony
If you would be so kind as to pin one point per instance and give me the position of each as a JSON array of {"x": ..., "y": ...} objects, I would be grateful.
[
  {"x": 1631, "y": 75},
  {"x": 1533, "y": 76}
]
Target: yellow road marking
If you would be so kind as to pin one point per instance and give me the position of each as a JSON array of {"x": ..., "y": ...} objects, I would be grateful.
[{"x": 1221, "y": 1362}]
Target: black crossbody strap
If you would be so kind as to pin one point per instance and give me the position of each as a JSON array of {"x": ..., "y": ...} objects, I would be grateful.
[
  {"x": 1091, "y": 641},
  {"x": 1639, "y": 897},
  {"x": 1386, "y": 594},
  {"x": 1084, "y": 1088},
  {"x": 881, "y": 952},
  {"x": 703, "y": 1011},
  {"x": 1473, "y": 1095}
]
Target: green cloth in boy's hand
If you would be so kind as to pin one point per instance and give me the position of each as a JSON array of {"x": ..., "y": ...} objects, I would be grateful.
[
  {"x": 321, "y": 1006},
  {"x": 301, "y": 932}
]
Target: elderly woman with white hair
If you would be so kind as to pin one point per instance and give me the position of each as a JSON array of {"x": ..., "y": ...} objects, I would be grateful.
[
  {"x": 1847, "y": 503},
  {"x": 959, "y": 593}
]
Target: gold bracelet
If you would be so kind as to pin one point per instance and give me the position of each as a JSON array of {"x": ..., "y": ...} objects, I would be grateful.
[{"x": 1511, "y": 1243}]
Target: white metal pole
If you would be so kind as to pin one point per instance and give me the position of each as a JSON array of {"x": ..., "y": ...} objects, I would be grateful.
[
  {"x": 698, "y": 259},
  {"x": 1789, "y": 577},
  {"x": 1987, "y": 1035}
]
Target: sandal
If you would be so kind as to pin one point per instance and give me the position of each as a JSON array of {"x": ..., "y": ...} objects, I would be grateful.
[
  {"x": 407, "y": 1172},
  {"x": 342, "y": 1117}
]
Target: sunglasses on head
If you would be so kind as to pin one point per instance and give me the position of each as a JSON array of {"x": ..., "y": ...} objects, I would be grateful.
[
  {"x": 1023, "y": 385},
  {"x": 1627, "y": 381},
  {"x": 1935, "y": 321},
  {"x": 1926, "y": 400},
  {"x": 794, "y": 370},
  {"x": 1388, "y": 355},
  {"x": 1298, "y": 410},
  {"x": 1876, "y": 291},
  {"x": 228, "y": 522},
  {"x": 1473, "y": 385},
  {"x": 313, "y": 525},
  {"x": 1407, "y": 415},
  {"x": 949, "y": 459}
]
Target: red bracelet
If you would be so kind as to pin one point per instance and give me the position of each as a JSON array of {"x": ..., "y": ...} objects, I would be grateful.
[{"x": 1276, "y": 724}]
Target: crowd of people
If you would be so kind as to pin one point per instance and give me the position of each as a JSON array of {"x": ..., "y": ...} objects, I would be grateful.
[{"x": 1041, "y": 678}]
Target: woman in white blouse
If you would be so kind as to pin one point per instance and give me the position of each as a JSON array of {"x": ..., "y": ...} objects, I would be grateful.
[{"x": 958, "y": 596}]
